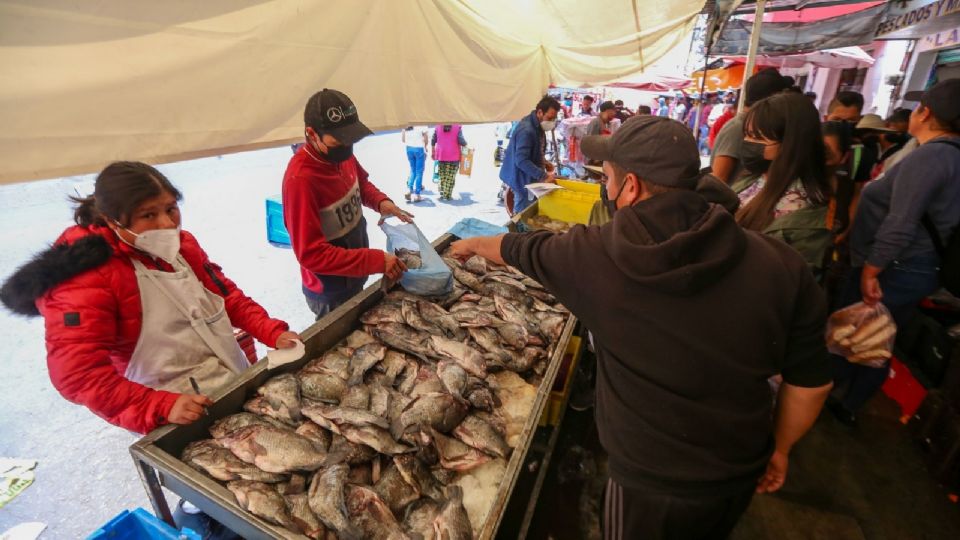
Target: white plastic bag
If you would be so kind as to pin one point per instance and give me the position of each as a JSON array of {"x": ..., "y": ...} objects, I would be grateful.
[
  {"x": 433, "y": 278},
  {"x": 862, "y": 334}
]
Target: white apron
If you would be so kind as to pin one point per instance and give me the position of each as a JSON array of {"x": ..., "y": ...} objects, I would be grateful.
[{"x": 185, "y": 333}]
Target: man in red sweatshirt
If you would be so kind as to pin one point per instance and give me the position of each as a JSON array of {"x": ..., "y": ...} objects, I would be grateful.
[{"x": 323, "y": 190}]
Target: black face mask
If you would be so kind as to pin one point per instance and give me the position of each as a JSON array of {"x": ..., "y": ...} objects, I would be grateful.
[
  {"x": 605, "y": 199},
  {"x": 339, "y": 154},
  {"x": 897, "y": 138},
  {"x": 751, "y": 156}
]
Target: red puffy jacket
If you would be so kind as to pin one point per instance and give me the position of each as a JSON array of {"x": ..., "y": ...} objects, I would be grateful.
[{"x": 86, "y": 289}]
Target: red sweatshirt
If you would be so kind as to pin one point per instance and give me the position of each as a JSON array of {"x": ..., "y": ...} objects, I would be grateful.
[{"x": 322, "y": 212}]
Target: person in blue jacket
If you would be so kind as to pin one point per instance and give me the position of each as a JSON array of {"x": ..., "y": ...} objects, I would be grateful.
[{"x": 523, "y": 162}]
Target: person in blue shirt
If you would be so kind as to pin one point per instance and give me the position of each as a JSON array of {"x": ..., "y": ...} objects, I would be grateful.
[{"x": 523, "y": 162}]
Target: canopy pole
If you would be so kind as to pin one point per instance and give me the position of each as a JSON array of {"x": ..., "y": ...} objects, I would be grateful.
[{"x": 752, "y": 52}]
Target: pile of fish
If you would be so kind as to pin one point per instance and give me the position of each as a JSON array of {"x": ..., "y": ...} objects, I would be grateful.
[
  {"x": 542, "y": 222},
  {"x": 369, "y": 439}
]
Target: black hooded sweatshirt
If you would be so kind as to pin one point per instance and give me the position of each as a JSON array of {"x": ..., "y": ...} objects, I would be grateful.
[{"x": 691, "y": 315}]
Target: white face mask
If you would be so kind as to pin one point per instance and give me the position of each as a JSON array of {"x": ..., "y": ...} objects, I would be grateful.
[
  {"x": 548, "y": 125},
  {"x": 161, "y": 243}
]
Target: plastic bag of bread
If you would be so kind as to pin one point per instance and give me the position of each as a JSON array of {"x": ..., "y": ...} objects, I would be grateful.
[{"x": 862, "y": 334}]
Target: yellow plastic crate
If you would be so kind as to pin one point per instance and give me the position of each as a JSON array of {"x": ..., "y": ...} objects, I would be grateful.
[
  {"x": 554, "y": 407},
  {"x": 571, "y": 204}
]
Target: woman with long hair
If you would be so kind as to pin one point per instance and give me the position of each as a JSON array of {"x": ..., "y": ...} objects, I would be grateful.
[{"x": 785, "y": 188}]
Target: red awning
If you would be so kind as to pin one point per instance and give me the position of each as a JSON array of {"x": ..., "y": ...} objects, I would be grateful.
[{"x": 653, "y": 83}]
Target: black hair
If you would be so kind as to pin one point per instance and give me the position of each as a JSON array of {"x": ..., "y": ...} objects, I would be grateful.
[
  {"x": 843, "y": 131},
  {"x": 847, "y": 99},
  {"x": 618, "y": 103},
  {"x": 764, "y": 84},
  {"x": 119, "y": 189},
  {"x": 791, "y": 120},
  {"x": 588, "y": 96},
  {"x": 547, "y": 103},
  {"x": 901, "y": 114},
  {"x": 811, "y": 95},
  {"x": 644, "y": 109},
  {"x": 607, "y": 105}
]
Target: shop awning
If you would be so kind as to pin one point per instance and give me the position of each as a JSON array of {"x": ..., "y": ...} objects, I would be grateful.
[
  {"x": 653, "y": 83},
  {"x": 844, "y": 58},
  {"x": 86, "y": 83}
]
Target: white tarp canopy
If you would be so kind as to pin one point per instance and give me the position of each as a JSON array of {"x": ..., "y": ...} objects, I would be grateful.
[{"x": 89, "y": 82}]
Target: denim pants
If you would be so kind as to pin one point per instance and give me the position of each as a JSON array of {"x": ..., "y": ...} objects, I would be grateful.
[
  {"x": 418, "y": 159},
  {"x": 904, "y": 284}
]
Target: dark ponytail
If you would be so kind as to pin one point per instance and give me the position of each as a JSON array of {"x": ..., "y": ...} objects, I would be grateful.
[{"x": 120, "y": 188}]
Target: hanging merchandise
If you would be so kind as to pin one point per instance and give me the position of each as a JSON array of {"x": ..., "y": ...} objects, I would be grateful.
[{"x": 466, "y": 161}]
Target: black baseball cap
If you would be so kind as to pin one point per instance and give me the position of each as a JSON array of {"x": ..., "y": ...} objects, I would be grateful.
[
  {"x": 607, "y": 105},
  {"x": 332, "y": 112},
  {"x": 656, "y": 148},
  {"x": 943, "y": 100}
]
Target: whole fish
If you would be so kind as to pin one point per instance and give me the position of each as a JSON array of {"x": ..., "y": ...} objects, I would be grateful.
[
  {"x": 382, "y": 313},
  {"x": 263, "y": 501},
  {"x": 472, "y": 297},
  {"x": 515, "y": 335},
  {"x": 398, "y": 402},
  {"x": 482, "y": 436},
  {"x": 336, "y": 362},
  {"x": 456, "y": 455},
  {"x": 393, "y": 488},
  {"x": 356, "y": 397},
  {"x": 296, "y": 485},
  {"x": 441, "y": 318},
  {"x": 506, "y": 280},
  {"x": 233, "y": 422},
  {"x": 420, "y": 517},
  {"x": 322, "y": 386},
  {"x": 476, "y": 264},
  {"x": 209, "y": 457},
  {"x": 469, "y": 358},
  {"x": 379, "y": 399},
  {"x": 413, "y": 318},
  {"x": 452, "y": 263},
  {"x": 525, "y": 360},
  {"x": 282, "y": 393},
  {"x": 359, "y": 338},
  {"x": 327, "y": 500},
  {"x": 488, "y": 339},
  {"x": 476, "y": 318},
  {"x": 273, "y": 449},
  {"x": 426, "y": 382},
  {"x": 544, "y": 296},
  {"x": 510, "y": 312},
  {"x": 440, "y": 411},
  {"x": 363, "y": 359},
  {"x": 453, "y": 523},
  {"x": 468, "y": 280},
  {"x": 343, "y": 415},
  {"x": 464, "y": 305},
  {"x": 319, "y": 436},
  {"x": 496, "y": 288},
  {"x": 453, "y": 377},
  {"x": 531, "y": 283},
  {"x": 375, "y": 437},
  {"x": 393, "y": 364},
  {"x": 402, "y": 338},
  {"x": 550, "y": 325},
  {"x": 417, "y": 474},
  {"x": 444, "y": 477},
  {"x": 540, "y": 305},
  {"x": 303, "y": 517},
  {"x": 481, "y": 397},
  {"x": 259, "y": 405},
  {"x": 409, "y": 257},
  {"x": 372, "y": 515},
  {"x": 345, "y": 451}
]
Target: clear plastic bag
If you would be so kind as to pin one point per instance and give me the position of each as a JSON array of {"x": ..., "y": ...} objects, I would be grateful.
[
  {"x": 434, "y": 277},
  {"x": 862, "y": 334}
]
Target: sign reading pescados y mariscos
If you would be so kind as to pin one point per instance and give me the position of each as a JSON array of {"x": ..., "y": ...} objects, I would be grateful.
[{"x": 921, "y": 14}]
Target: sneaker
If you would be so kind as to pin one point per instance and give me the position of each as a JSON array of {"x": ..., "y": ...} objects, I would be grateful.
[
  {"x": 406, "y": 196},
  {"x": 841, "y": 413},
  {"x": 417, "y": 198},
  {"x": 583, "y": 394}
]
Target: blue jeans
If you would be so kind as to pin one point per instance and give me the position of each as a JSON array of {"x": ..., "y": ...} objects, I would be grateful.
[
  {"x": 418, "y": 159},
  {"x": 904, "y": 284}
]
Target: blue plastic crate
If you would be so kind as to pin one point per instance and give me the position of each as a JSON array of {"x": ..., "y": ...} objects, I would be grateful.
[
  {"x": 276, "y": 230},
  {"x": 138, "y": 525}
]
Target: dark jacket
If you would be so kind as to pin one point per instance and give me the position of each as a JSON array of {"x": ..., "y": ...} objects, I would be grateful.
[
  {"x": 523, "y": 160},
  {"x": 691, "y": 316}
]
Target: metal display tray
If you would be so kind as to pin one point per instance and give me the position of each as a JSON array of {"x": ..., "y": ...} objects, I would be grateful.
[{"x": 157, "y": 454}]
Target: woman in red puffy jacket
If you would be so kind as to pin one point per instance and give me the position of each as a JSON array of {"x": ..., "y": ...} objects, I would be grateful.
[{"x": 133, "y": 307}]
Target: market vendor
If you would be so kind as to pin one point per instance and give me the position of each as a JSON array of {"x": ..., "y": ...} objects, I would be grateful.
[
  {"x": 523, "y": 162},
  {"x": 691, "y": 315},
  {"x": 133, "y": 307},
  {"x": 324, "y": 191}
]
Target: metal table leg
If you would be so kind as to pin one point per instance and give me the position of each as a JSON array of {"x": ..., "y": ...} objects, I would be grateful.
[{"x": 151, "y": 482}]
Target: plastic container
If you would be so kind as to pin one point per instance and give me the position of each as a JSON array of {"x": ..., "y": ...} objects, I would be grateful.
[
  {"x": 572, "y": 204},
  {"x": 139, "y": 525},
  {"x": 276, "y": 230},
  {"x": 563, "y": 383}
]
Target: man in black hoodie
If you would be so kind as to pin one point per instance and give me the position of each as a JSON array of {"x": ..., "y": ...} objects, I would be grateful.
[{"x": 691, "y": 316}]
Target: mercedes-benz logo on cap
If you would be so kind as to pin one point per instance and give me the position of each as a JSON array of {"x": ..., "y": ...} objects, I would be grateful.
[{"x": 334, "y": 114}]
